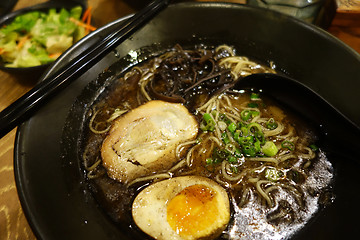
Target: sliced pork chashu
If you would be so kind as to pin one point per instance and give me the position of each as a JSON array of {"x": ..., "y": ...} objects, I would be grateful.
[{"x": 144, "y": 140}]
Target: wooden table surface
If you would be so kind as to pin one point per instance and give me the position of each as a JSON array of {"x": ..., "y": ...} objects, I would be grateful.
[{"x": 13, "y": 224}]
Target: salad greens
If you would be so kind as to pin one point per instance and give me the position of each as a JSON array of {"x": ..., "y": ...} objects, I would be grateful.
[{"x": 37, "y": 38}]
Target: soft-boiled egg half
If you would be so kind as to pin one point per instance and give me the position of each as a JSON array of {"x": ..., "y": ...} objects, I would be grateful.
[
  {"x": 186, "y": 207},
  {"x": 144, "y": 140}
]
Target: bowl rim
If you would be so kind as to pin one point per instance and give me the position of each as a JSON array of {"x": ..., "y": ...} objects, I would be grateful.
[{"x": 8, "y": 6}]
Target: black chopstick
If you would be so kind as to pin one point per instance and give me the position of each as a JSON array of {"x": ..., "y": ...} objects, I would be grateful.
[{"x": 22, "y": 108}]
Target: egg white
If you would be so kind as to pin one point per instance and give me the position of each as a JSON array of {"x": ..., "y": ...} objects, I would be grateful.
[{"x": 149, "y": 209}]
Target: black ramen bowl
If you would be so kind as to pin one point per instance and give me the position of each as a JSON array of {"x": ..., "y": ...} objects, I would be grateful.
[
  {"x": 49, "y": 176},
  {"x": 33, "y": 73}
]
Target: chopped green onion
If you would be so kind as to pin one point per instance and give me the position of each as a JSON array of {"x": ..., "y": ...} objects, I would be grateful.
[
  {"x": 232, "y": 127},
  {"x": 237, "y": 152},
  {"x": 254, "y": 96},
  {"x": 207, "y": 117},
  {"x": 249, "y": 150},
  {"x": 257, "y": 146},
  {"x": 271, "y": 124},
  {"x": 209, "y": 123},
  {"x": 234, "y": 169},
  {"x": 255, "y": 113},
  {"x": 287, "y": 144},
  {"x": 249, "y": 140},
  {"x": 237, "y": 135},
  {"x": 254, "y": 127},
  {"x": 209, "y": 161},
  {"x": 244, "y": 131},
  {"x": 245, "y": 115},
  {"x": 232, "y": 159},
  {"x": 269, "y": 149},
  {"x": 225, "y": 138},
  {"x": 259, "y": 136},
  {"x": 230, "y": 148},
  {"x": 210, "y": 128},
  {"x": 224, "y": 118},
  {"x": 241, "y": 124},
  {"x": 314, "y": 147}
]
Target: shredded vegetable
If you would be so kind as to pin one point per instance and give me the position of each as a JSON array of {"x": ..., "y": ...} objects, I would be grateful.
[{"x": 37, "y": 38}]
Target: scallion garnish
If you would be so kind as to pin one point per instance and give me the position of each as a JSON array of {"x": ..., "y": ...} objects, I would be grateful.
[
  {"x": 213, "y": 112},
  {"x": 234, "y": 169},
  {"x": 254, "y": 127},
  {"x": 257, "y": 146},
  {"x": 259, "y": 136},
  {"x": 271, "y": 124},
  {"x": 241, "y": 138},
  {"x": 269, "y": 149},
  {"x": 244, "y": 131},
  {"x": 238, "y": 153},
  {"x": 249, "y": 150},
  {"x": 314, "y": 147},
  {"x": 246, "y": 140},
  {"x": 255, "y": 113},
  {"x": 232, "y": 159},
  {"x": 225, "y": 138},
  {"x": 287, "y": 144},
  {"x": 248, "y": 114},
  {"x": 224, "y": 118},
  {"x": 245, "y": 115},
  {"x": 241, "y": 124},
  {"x": 230, "y": 148},
  {"x": 254, "y": 96},
  {"x": 237, "y": 135},
  {"x": 222, "y": 125},
  {"x": 208, "y": 123},
  {"x": 232, "y": 127},
  {"x": 209, "y": 161},
  {"x": 207, "y": 117}
]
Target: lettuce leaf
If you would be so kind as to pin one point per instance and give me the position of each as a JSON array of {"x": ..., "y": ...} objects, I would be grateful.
[{"x": 46, "y": 34}]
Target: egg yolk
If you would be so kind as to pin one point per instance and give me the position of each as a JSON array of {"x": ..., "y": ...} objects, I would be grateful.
[{"x": 192, "y": 210}]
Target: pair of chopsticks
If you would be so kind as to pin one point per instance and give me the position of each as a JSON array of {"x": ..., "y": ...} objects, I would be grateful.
[{"x": 22, "y": 108}]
